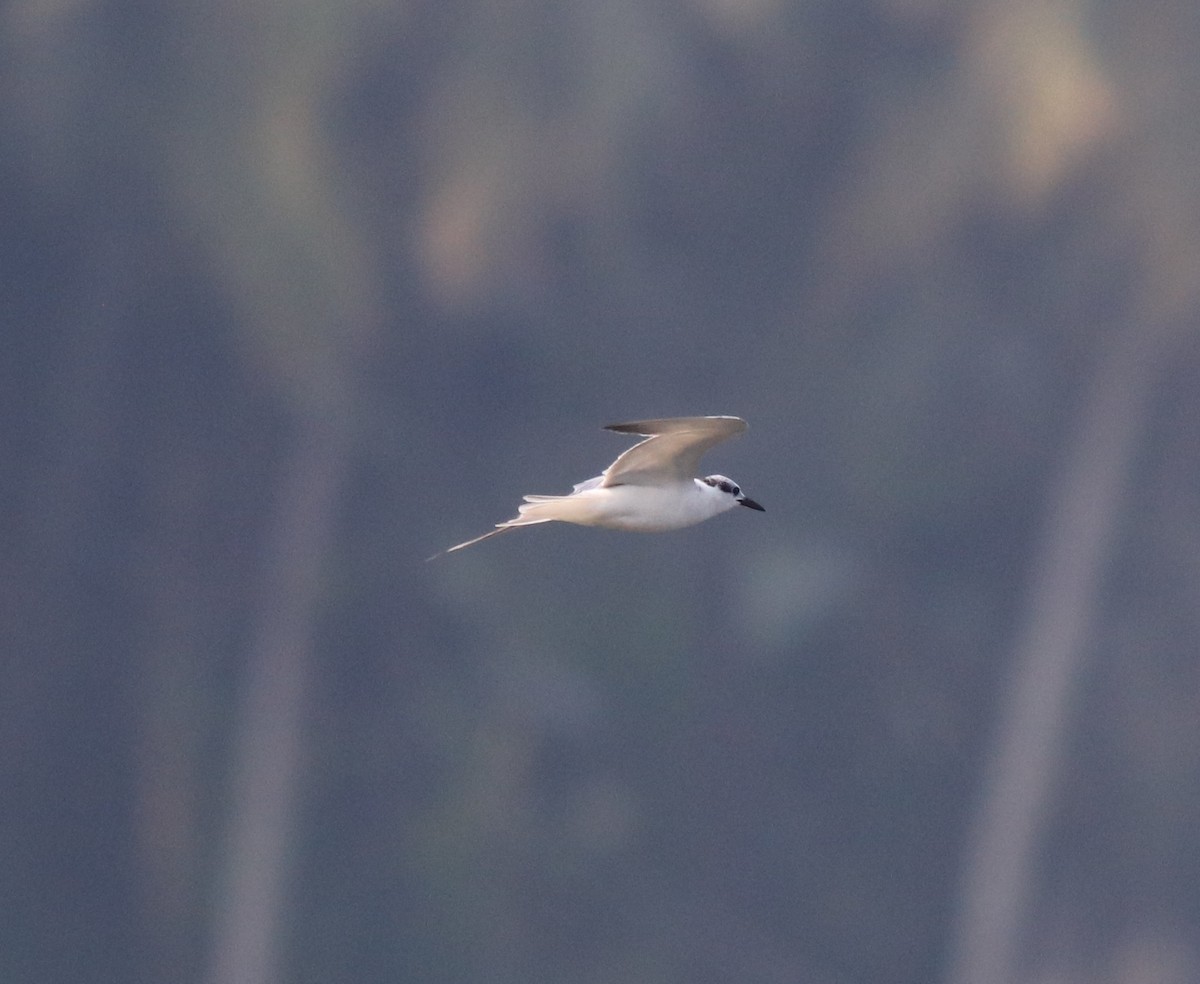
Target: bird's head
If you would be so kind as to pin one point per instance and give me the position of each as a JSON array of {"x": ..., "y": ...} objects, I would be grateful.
[{"x": 729, "y": 487}]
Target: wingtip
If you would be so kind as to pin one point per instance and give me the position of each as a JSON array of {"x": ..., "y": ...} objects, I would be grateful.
[{"x": 647, "y": 428}]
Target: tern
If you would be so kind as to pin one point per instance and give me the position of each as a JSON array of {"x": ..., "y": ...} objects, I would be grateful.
[{"x": 651, "y": 488}]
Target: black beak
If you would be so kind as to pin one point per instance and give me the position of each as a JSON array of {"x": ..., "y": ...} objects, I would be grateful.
[{"x": 750, "y": 503}]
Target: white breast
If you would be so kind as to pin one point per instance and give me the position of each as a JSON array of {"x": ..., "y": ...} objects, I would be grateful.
[{"x": 652, "y": 508}]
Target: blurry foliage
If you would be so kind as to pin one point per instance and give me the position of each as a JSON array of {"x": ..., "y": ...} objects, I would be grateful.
[{"x": 894, "y": 235}]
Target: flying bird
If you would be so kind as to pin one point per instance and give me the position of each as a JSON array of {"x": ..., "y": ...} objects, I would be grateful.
[{"x": 650, "y": 488}]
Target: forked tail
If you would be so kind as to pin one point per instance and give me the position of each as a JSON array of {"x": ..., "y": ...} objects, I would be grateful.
[
  {"x": 479, "y": 539},
  {"x": 530, "y": 514}
]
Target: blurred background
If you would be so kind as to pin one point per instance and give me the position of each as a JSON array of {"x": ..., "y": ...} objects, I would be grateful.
[{"x": 296, "y": 293}]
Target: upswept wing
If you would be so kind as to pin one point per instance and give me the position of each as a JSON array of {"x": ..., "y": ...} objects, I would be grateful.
[{"x": 672, "y": 449}]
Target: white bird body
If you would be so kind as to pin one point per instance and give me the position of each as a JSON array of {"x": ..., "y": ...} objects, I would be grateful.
[
  {"x": 636, "y": 508},
  {"x": 650, "y": 488}
]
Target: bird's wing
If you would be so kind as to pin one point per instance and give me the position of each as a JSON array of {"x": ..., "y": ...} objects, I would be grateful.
[{"x": 672, "y": 449}]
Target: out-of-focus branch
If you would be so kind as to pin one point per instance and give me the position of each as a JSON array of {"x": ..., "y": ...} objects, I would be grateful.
[
  {"x": 267, "y": 751},
  {"x": 1000, "y": 874}
]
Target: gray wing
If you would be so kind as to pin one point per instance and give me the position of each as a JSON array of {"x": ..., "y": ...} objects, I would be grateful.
[{"x": 672, "y": 449}]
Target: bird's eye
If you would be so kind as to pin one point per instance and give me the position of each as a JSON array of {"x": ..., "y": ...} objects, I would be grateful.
[{"x": 736, "y": 490}]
